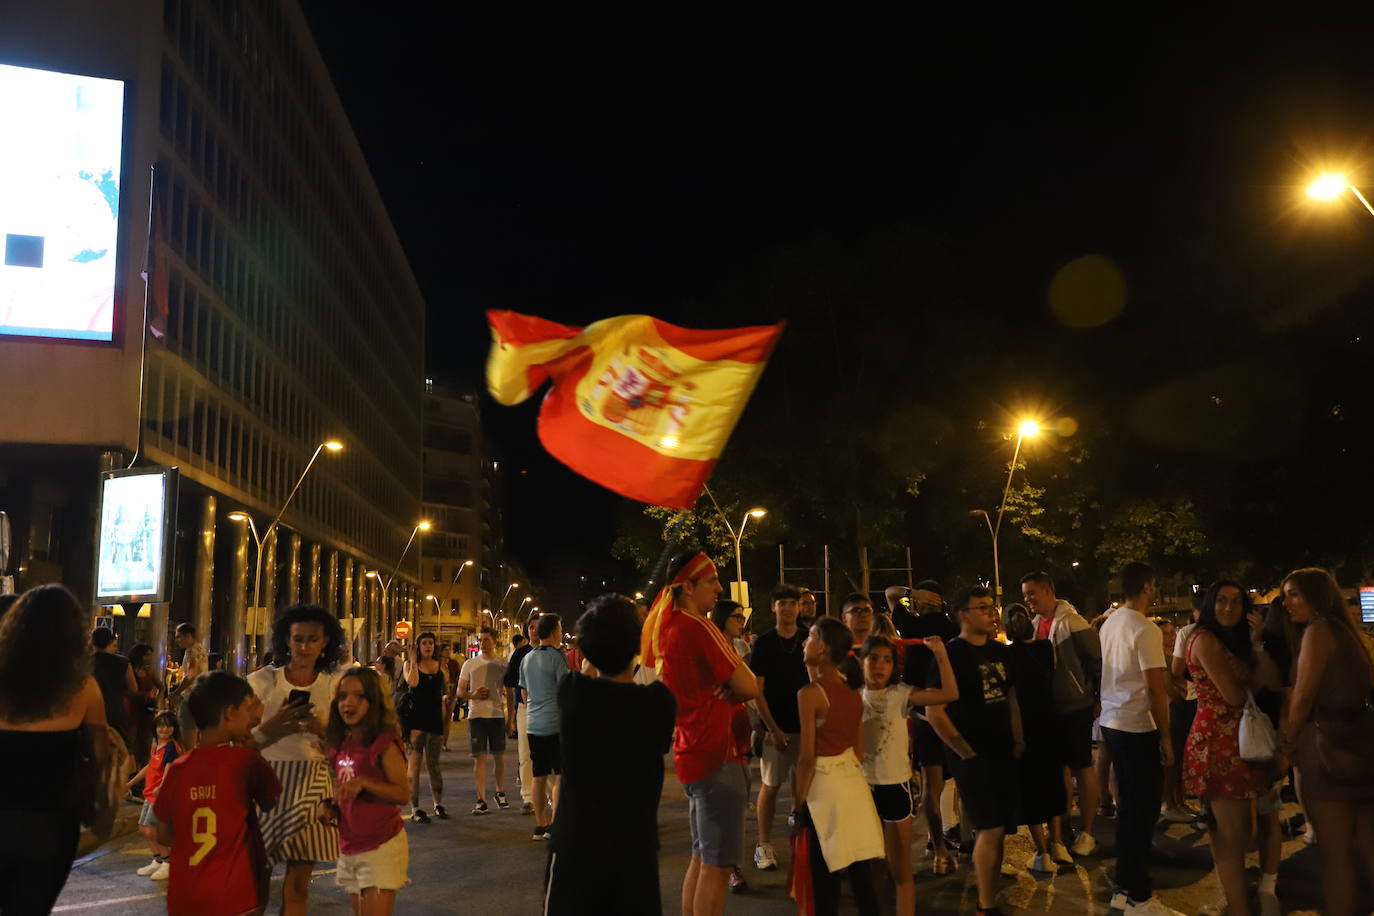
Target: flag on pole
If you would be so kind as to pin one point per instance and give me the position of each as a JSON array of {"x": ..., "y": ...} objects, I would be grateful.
[
  {"x": 154, "y": 270},
  {"x": 638, "y": 405}
]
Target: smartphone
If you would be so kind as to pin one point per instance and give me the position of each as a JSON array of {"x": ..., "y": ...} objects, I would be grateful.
[{"x": 298, "y": 696}]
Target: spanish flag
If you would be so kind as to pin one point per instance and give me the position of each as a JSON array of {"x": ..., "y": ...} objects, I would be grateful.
[{"x": 638, "y": 405}]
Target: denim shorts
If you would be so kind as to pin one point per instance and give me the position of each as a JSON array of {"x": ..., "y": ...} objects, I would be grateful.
[{"x": 715, "y": 811}]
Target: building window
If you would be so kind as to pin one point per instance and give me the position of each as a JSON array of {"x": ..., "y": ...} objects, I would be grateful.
[
  {"x": 438, "y": 572},
  {"x": 453, "y": 607}
]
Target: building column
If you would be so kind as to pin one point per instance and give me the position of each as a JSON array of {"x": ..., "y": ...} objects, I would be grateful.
[
  {"x": 235, "y": 655},
  {"x": 293, "y": 571},
  {"x": 331, "y": 584},
  {"x": 312, "y": 576},
  {"x": 202, "y": 591},
  {"x": 345, "y": 590},
  {"x": 269, "y": 578}
]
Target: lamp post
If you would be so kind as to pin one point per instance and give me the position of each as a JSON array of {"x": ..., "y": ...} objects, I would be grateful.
[
  {"x": 1027, "y": 429},
  {"x": 332, "y": 445},
  {"x": 423, "y": 525},
  {"x": 1333, "y": 185},
  {"x": 507, "y": 594}
]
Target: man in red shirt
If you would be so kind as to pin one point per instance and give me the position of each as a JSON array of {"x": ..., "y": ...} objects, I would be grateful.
[
  {"x": 208, "y": 802},
  {"x": 709, "y": 680}
]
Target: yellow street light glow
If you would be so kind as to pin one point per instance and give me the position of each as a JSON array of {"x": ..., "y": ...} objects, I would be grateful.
[
  {"x": 1029, "y": 428},
  {"x": 468, "y": 563},
  {"x": 237, "y": 517},
  {"x": 757, "y": 513},
  {"x": 371, "y": 574},
  {"x": 334, "y": 445},
  {"x": 429, "y": 597},
  {"x": 424, "y": 526},
  {"x": 1328, "y": 187},
  {"x": 515, "y": 585}
]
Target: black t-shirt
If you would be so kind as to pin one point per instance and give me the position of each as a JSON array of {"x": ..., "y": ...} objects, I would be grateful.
[
  {"x": 108, "y": 670},
  {"x": 512, "y": 678},
  {"x": 917, "y": 662},
  {"x": 982, "y": 714},
  {"x": 1032, "y": 673},
  {"x": 779, "y": 662},
  {"x": 613, "y": 737}
]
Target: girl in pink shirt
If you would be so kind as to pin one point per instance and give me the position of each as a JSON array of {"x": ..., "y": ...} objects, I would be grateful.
[{"x": 369, "y": 767}]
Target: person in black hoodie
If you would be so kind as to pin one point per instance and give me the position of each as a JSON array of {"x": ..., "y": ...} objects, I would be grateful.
[{"x": 614, "y": 734}]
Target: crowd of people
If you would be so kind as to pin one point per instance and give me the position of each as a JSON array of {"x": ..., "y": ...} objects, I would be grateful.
[{"x": 1033, "y": 712}]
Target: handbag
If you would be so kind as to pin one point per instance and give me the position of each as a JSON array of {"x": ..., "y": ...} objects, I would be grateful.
[
  {"x": 1258, "y": 741},
  {"x": 1345, "y": 747}
]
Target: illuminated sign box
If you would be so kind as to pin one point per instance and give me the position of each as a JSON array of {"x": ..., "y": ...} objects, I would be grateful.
[
  {"x": 59, "y": 203},
  {"x": 137, "y": 515},
  {"x": 1366, "y": 604}
]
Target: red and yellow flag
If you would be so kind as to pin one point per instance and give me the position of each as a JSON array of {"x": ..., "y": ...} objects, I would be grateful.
[{"x": 638, "y": 405}]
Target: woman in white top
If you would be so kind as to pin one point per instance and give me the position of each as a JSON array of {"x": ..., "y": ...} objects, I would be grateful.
[
  {"x": 887, "y": 757},
  {"x": 296, "y": 694}
]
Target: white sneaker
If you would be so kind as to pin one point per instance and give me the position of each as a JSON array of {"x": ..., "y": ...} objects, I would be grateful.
[
  {"x": 164, "y": 870},
  {"x": 765, "y": 859},
  {"x": 1060, "y": 854},
  {"x": 1042, "y": 863},
  {"x": 1269, "y": 905},
  {"x": 1085, "y": 844},
  {"x": 1178, "y": 815},
  {"x": 148, "y": 869},
  {"x": 1152, "y": 907},
  {"x": 1118, "y": 901},
  {"x": 1309, "y": 836}
]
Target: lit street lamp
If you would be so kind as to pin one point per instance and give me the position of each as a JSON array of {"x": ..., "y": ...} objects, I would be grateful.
[
  {"x": 1333, "y": 185},
  {"x": 333, "y": 446},
  {"x": 507, "y": 594},
  {"x": 737, "y": 535},
  {"x": 1027, "y": 429},
  {"x": 423, "y": 525}
]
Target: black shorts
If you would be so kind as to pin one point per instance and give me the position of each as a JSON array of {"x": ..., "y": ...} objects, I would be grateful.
[
  {"x": 930, "y": 750},
  {"x": 1075, "y": 731},
  {"x": 989, "y": 791},
  {"x": 893, "y": 801},
  {"x": 545, "y": 755},
  {"x": 1181, "y": 713}
]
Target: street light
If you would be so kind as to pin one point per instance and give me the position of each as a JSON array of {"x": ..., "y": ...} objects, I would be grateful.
[
  {"x": 737, "y": 535},
  {"x": 332, "y": 445},
  {"x": 507, "y": 594},
  {"x": 422, "y": 525},
  {"x": 1028, "y": 429},
  {"x": 1333, "y": 185}
]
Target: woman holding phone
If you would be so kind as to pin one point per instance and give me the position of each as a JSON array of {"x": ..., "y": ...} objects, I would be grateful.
[{"x": 296, "y": 694}]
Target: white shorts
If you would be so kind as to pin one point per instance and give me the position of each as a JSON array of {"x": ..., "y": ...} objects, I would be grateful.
[
  {"x": 779, "y": 766},
  {"x": 383, "y": 868}
]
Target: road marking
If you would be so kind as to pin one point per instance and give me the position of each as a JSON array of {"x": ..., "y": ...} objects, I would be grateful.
[{"x": 95, "y": 903}]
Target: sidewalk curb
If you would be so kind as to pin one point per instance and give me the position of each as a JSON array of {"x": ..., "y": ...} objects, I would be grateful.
[{"x": 88, "y": 847}]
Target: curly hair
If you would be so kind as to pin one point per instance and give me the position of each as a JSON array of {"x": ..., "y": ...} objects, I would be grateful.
[
  {"x": 43, "y": 660},
  {"x": 307, "y": 613},
  {"x": 381, "y": 714}
]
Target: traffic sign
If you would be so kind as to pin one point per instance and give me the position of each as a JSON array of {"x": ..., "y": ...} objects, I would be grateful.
[
  {"x": 106, "y": 622},
  {"x": 403, "y": 629}
]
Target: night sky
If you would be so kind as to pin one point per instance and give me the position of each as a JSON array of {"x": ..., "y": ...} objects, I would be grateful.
[{"x": 700, "y": 170}]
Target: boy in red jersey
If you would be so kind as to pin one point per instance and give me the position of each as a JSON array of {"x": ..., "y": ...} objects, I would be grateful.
[{"x": 208, "y": 803}]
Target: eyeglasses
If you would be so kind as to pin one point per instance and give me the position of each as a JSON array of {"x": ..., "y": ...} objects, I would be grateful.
[
  {"x": 982, "y": 608},
  {"x": 740, "y": 617}
]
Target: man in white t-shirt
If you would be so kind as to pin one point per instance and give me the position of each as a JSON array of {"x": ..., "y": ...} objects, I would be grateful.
[
  {"x": 1135, "y": 727},
  {"x": 479, "y": 682}
]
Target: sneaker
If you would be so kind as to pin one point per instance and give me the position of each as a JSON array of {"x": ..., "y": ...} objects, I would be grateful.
[
  {"x": 1152, "y": 907},
  {"x": 148, "y": 869},
  {"x": 1060, "y": 853},
  {"x": 480, "y": 807},
  {"x": 1178, "y": 815},
  {"x": 1269, "y": 905},
  {"x": 1309, "y": 836},
  {"x": 1118, "y": 901},
  {"x": 540, "y": 833},
  {"x": 1107, "y": 808},
  {"x": 737, "y": 883},
  {"x": 1085, "y": 844},
  {"x": 1212, "y": 909},
  {"x": 765, "y": 859},
  {"x": 440, "y": 813},
  {"x": 418, "y": 816},
  {"x": 503, "y": 802},
  {"x": 1042, "y": 863},
  {"x": 163, "y": 872},
  {"x": 527, "y": 808},
  {"x": 943, "y": 864}
]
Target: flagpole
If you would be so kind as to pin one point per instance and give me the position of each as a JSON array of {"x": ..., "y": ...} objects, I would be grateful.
[{"x": 148, "y": 258}]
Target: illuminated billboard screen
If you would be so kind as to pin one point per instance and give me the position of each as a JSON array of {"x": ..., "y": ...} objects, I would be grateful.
[
  {"x": 137, "y": 510},
  {"x": 59, "y": 202}
]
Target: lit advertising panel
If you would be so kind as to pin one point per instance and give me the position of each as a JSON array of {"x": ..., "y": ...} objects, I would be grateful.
[
  {"x": 137, "y": 510},
  {"x": 59, "y": 202}
]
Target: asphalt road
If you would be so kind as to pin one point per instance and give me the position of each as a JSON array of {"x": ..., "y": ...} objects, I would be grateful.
[{"x": 490, "y": 865}]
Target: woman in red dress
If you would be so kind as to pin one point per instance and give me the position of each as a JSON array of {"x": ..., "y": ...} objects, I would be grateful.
[{"x": 1225, "y": 660}]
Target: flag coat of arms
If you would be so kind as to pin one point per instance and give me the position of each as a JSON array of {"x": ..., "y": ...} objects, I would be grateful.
[{"x": 638, "y": 405}]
